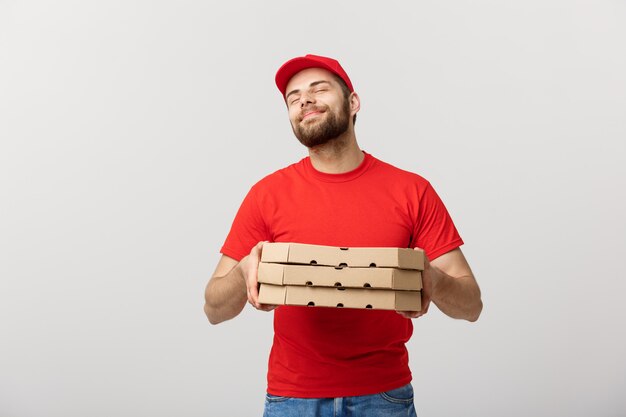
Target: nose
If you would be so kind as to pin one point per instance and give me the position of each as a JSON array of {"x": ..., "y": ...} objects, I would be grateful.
[{"x": 306, "y": 98}]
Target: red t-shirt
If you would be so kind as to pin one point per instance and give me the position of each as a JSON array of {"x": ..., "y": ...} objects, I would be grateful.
[{"x": 332, "y": 352}]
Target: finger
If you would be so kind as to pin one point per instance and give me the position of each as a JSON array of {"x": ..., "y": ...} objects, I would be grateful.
[
  {"x": 425, "y": 301},
  {"x": 251, "y": 284},
  {"x": 250, "y": 300},
  {"x": 267, "y": 307},
  {"x": 253, "y": 291},
  {"x": 257, "y": 250},
  {"x": 410, "y": 314},
  {"x": 424, "y": 309},
  {"x": 252, "y": 275},
  {"x": 252, "y": 278}
]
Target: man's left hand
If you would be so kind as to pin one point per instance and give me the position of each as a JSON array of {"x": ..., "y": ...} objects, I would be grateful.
[{"x": 427, "y": 286}]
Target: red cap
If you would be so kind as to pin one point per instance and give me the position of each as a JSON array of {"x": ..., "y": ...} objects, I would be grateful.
[{"x": 295, "y": 65}]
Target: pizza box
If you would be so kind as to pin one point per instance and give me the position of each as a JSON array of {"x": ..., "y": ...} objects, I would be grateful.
[
  {"x": 299, "y": 253},
  {"x": 328, "y": 276},
  {"x": 361, "y": 298}
]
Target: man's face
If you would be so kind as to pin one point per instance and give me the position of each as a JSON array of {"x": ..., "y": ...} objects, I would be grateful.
[{"x": 318, "y": 110}]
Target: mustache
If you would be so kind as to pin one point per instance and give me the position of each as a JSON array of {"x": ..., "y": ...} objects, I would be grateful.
[{"x": 310, "y": 109}]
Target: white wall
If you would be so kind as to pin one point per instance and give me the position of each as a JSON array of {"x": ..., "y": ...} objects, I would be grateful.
[{"x": 131, "y": 130}]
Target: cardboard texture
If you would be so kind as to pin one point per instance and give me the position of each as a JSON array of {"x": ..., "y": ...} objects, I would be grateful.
[
  {"x": 337, "y": 297},
  {"x": 272, "y": 294},
  {"x": 299, "y": 253},
  {"x": 328, "y": 276}
]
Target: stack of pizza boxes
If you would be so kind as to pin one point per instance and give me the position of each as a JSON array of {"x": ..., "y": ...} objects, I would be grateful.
[{"x": 328, "y": 276}]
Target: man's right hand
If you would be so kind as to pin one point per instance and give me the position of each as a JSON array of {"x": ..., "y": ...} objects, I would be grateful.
[
  {"x": 224, "y": 294},
  {"x": 250, "y": 270}
]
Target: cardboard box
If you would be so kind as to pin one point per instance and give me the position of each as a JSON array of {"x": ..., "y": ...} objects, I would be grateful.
[
  {"x": 340, "y": 297},
  {"x": 328, "y": 276},
  {"x": 272, "y": 294},
  {"x": 299, "y": 253}
]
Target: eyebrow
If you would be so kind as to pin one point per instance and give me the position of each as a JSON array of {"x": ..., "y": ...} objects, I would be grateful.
[{"x": 313, "y": 84}]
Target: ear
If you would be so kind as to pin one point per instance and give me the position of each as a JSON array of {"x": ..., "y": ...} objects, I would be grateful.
[{"x": 355, "y": 103}]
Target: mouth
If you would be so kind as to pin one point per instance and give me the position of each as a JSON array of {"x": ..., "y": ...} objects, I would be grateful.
[{"x": 310, "y": 114}]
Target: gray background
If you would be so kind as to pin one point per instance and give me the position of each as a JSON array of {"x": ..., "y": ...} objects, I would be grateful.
[{"x": 131, "y": 130}]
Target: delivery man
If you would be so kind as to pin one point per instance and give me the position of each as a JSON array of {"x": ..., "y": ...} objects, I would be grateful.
[{"x": 333, "y": 361}]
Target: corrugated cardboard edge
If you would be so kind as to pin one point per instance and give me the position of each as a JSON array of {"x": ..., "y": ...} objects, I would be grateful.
[
  {"x": 275, "y": 252},
  {"x": 407, "y": 257},
  {"x": 407, "y": 279},
  {"x": 271, "y": 273},
  {"x": 408, "y": 300}
]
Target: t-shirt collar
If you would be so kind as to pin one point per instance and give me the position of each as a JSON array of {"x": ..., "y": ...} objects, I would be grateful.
[{"x": 344, "y": 176}]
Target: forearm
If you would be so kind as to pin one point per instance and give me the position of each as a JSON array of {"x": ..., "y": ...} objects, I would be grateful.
[
  {"x": 225, "y": 296},
  {"x": 457, "y": 297}
]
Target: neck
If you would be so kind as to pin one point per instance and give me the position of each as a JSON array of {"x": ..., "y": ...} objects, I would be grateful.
[{"x": 337, "y": 156}]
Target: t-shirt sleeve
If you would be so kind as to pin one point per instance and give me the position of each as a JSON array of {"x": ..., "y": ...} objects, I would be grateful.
[
  {"x": 434, "y": 230},
  {"x": 247, "y": 229}
]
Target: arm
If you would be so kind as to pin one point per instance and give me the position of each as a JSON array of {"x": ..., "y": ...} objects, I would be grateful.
[
  {"x": 454, "y": 289},
  {"x": 232, "y": 284},
  {"x": 448, "y": 281}
]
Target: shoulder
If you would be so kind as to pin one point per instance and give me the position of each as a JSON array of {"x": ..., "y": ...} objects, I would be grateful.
[
  {"x": 396, "y": 174},
  {"x": 280, "y": 177}
]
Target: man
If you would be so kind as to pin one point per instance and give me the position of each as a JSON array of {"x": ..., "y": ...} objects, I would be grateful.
[{"x": 330, "y": 361}]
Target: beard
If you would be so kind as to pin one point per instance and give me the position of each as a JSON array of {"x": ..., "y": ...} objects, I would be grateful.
[{"x": 320, "y": 132}]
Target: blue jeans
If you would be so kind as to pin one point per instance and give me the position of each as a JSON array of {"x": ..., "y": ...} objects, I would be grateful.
[{"x": 394, "y": 403}]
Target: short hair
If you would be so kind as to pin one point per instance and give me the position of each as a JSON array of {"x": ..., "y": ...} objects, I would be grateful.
[{"x": 345, "y": 90}]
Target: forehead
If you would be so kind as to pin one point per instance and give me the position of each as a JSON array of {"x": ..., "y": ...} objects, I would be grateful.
[{"x": 305, "y": 77}]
